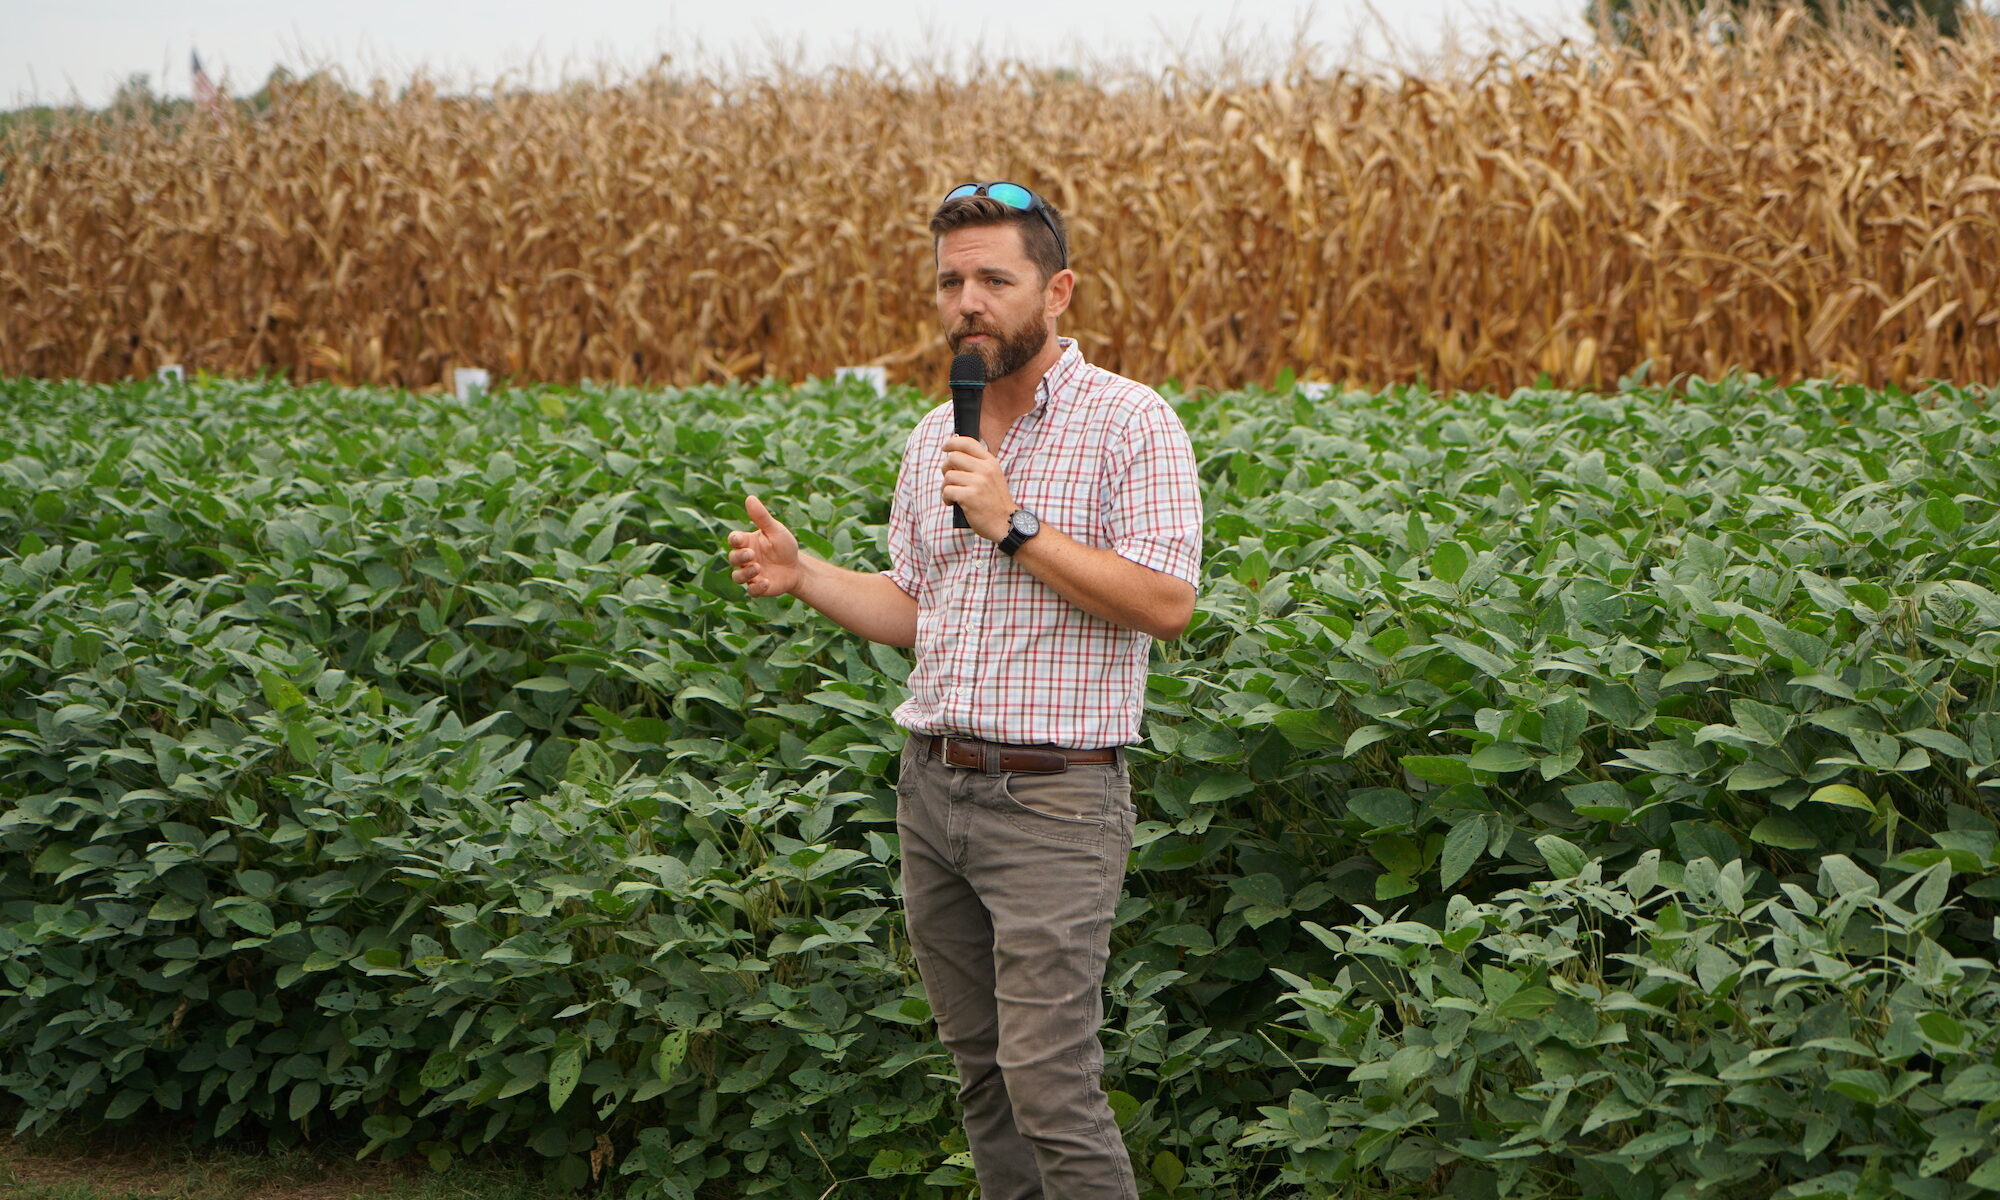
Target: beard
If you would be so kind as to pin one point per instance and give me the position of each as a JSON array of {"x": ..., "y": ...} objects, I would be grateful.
[{"x": 1006, "y": 350}]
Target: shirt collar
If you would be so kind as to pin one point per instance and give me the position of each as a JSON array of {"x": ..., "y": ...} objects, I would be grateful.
[{"x": 1055, "y": 385}]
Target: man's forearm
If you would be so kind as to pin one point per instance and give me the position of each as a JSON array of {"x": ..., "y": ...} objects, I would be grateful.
[
  {"x": 862, "y": 602},
  {"x": 1106, "y": 584}
]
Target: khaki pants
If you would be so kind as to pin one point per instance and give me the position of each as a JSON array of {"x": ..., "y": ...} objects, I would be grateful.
[{"x": 1009, "y": 885}]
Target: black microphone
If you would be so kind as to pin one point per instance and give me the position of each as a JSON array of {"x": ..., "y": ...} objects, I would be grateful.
[{"x": 968, "y": 383}]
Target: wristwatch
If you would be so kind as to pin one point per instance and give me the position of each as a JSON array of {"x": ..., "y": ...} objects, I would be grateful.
[{"x": 1020, "y": 527}]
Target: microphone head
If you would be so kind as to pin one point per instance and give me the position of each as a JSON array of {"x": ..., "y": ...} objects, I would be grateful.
[{"x": 968, "y": 370}]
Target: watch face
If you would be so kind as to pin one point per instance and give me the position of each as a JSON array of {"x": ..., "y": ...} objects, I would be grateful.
[{"x": 1025, "y": 523}]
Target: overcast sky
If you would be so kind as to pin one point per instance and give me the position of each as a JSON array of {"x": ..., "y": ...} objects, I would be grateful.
[{"x": 53, "y": 50}]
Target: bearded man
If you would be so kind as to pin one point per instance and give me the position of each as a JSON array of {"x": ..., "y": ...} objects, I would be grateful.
[{"x": 1031, "y": 633}]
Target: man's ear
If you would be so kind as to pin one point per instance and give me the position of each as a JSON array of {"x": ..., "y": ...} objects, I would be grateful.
[{"x": 1062, "y": 286}]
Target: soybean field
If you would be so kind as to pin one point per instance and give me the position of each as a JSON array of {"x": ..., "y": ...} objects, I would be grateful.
[{"x": 1558, "y": 794}]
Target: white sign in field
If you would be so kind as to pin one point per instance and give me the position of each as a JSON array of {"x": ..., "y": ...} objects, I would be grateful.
[
  {"x": 878, "y": 377},
  {"x": 470, "y": 381}
]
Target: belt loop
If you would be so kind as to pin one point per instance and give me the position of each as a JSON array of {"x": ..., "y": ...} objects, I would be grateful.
[
  {"x": 992, "y": 758},
  {"x": 922, "y": 742}
]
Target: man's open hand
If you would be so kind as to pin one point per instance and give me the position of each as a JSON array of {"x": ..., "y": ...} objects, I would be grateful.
[
  {"x": 973, "y": 481},
  {"x": 766, "y": 558}
]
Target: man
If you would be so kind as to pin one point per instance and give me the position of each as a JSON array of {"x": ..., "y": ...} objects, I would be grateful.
[{"x": 1031, "y": 631}]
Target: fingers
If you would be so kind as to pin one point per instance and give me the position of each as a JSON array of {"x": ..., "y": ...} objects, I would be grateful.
[
  {"x": 965, "y": 445},
  {"x": 748, "y": 549},
  {"x": 961, "y": 486},
  {"x": 753, "y": 579},
  {"x": 954, "y": 477},
  {"x": 960, "y": 461}
]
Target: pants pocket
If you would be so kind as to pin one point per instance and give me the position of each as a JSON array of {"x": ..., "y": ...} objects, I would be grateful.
[{"x": 1073, "y": 805}]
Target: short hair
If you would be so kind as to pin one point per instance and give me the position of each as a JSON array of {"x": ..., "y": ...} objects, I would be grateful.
[{"x": 1038, "y": 239}]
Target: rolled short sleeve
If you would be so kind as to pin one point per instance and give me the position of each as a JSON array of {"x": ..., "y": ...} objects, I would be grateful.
[
  {"x": 905, "y": 563},
  {"x": 1154, "y": 501}
]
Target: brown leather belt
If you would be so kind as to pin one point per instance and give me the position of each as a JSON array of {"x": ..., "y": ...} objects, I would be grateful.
[{"x": 1001, "y": 756}]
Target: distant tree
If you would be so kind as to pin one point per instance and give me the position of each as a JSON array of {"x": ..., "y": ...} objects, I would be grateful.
[
  {"x": 33, "y": 124},
  {"x": 276, "y": 84},
  {"x": 135, "y": 96},
  {"x": 1621, "y": 18},
  {"x": 283, "y": 84}
]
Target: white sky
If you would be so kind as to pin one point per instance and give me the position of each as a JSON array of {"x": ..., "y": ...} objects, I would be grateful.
[{"x": 57, "y": 50}]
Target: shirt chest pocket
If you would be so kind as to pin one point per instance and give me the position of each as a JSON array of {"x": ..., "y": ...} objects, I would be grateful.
[{"x": 1070, "y": 504}]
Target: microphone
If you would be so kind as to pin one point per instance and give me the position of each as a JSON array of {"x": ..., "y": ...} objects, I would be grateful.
[{"x": 968, "y": 383}]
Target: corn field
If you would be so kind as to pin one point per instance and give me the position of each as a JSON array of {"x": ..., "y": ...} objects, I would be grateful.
[{"x": 1794, "y": 204}]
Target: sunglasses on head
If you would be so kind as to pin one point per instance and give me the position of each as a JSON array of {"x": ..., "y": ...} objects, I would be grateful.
[{"x": 1014, "y": 196}]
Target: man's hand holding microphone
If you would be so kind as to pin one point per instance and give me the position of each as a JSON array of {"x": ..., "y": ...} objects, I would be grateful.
[{"x": 972, "y": 480}]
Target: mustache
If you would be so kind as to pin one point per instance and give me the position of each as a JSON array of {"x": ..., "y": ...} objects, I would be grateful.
[{"x": 966, "y": 331}]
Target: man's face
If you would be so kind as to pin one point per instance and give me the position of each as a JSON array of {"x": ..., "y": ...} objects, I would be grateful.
[{"x": 991, "y": 298}]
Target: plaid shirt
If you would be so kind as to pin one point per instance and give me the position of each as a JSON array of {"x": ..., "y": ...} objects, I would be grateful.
[{"x": 1000, "y": 655}]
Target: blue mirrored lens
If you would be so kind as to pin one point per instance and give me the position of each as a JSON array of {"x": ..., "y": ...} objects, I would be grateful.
[
  {"x": 963, "y": 189},
  {"x": 1013, "y": 195}
]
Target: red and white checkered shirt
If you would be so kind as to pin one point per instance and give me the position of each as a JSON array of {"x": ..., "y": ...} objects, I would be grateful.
[{"x": 1000, "y": 655}]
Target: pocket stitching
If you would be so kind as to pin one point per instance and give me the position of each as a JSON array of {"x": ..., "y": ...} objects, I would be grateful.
[{"x": 1045, "y": 823}]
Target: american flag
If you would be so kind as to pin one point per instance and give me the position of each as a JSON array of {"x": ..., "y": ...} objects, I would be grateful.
[{"x": 207, "y": 97}]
